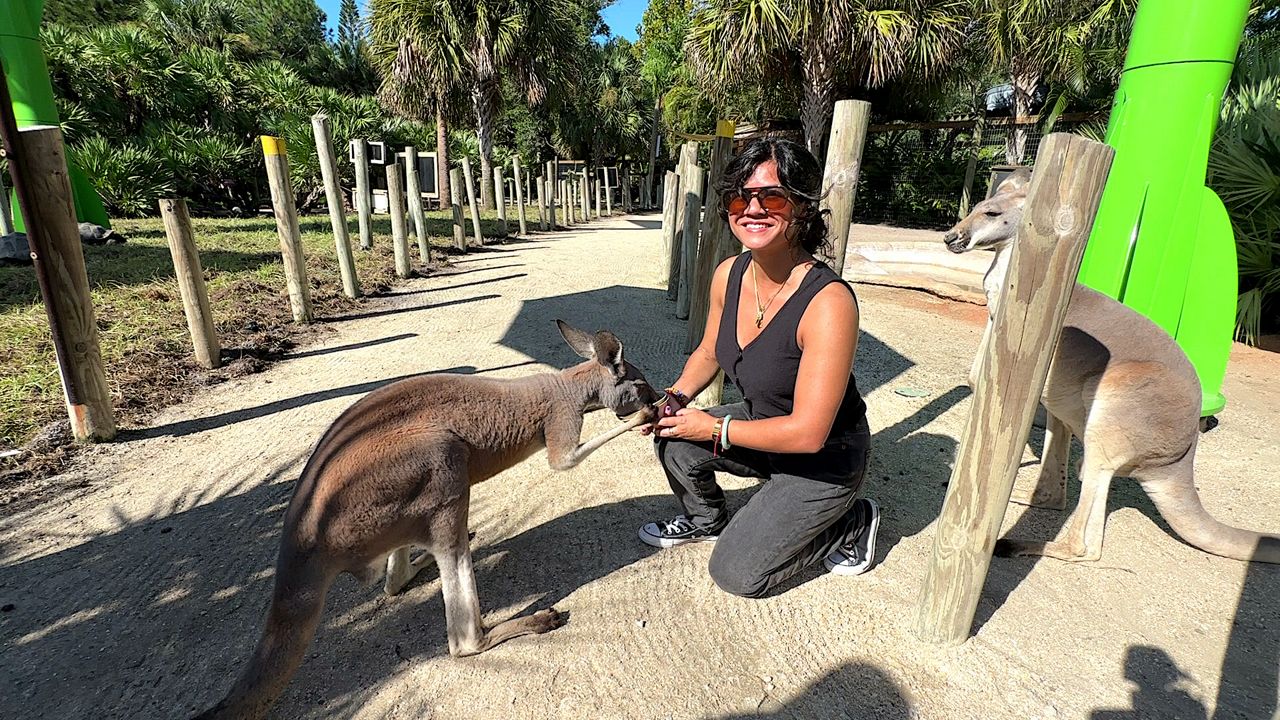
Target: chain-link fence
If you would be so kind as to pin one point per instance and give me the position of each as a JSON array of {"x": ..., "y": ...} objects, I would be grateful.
[{"x": 916, "y": 174}]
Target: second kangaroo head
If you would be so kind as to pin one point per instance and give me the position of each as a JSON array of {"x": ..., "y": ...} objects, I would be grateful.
[
  {"x": 622, "y": 387},
  {"x": 994, "y": 222}
]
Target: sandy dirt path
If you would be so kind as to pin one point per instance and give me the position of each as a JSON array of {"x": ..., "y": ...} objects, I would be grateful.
[{"x": 139, "y": 590}]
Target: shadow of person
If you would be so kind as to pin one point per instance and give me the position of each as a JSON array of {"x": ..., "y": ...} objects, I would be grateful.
[
  {"x": 1249, "y": 684},
  {"x": 853, "y": 692},
  {"x": 1157, "y": 695}
]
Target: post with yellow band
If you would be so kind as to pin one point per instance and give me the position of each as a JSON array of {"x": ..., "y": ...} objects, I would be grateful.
[{"x": 276, "y": 158}]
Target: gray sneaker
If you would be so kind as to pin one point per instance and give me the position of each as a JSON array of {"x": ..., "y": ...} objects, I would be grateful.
[{"x": 859, "y": 553}]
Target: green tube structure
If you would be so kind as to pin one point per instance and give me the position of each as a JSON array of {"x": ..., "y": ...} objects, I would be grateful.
[
  {"x": 1162, "y": 242},
  {"x": 32, "y": 93}
]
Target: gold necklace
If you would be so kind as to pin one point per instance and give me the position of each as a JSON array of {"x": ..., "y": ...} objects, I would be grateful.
[{"x": 755, "y": 284}]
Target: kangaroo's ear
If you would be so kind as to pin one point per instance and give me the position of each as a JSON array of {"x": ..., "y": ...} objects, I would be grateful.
[
  {"x": 581, "y": 341},
  {"x": 609, "y": 351},
  {"x": 1017, "y": 180}
]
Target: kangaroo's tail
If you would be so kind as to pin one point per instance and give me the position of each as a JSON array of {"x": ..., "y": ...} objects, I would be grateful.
[
  {"x": 1173, "y": 491},
  {"x": 291, "y": 622}
]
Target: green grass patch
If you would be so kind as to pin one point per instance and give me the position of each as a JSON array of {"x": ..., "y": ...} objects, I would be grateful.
[{"x": 142, "y": 331}]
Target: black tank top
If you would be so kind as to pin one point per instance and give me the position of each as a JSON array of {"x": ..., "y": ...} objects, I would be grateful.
[{"x": 765, "y": 370}]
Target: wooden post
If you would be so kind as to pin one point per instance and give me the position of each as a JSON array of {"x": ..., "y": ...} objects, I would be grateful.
[
  {"x": 692, "y": 186},
  {"x": 471, "y": 199},
  {"x": 276, "y": 157},
  {"x": 519, "y": 184},
  {"x": 542, "y": 202},
  {"x": 38, "y": 168},
  {"x": 552, "y": 185},
  {"x": 455, "y": 205},
  {"x": 688, "y": 158},
  {"x": 715, "y": 242},
  {"x": 413, "y": 193},
  {"x": 567, "y": 202},
  {"x": 595, "y": 186},
  {"x": 972, "y": 168},
  {"x": 6, "y": 217},
  {"x": 337, "y": 211},
  {"x": 1063, "y": 197},
  {"x": 500, "y": 190},
  {"x": 670, "y": 252},
  {"x": 186, "y": 269},
  {"x": 583, "y": 186},
  {"x": 399, "y": 233},
  {"x": 364, "y": 193},
  {"x": 625, "y": 177},
  {"x": 840, "y": 179},
  {"x": 608, "y": 193}
]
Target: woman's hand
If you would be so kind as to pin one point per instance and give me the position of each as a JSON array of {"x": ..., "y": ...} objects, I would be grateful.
[{"x": 687, "y": 424}]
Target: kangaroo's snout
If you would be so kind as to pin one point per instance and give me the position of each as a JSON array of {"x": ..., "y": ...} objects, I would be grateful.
[{"x": 955, "y": 241}]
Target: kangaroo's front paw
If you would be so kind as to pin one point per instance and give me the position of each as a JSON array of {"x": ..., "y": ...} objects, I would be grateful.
[{"x": 547, "y": 620}]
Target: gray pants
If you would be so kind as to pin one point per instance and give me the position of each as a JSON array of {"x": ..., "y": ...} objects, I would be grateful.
[{"x": 801, "y": 514}]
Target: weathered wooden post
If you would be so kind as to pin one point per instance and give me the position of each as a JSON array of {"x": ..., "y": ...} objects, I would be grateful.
[
  {"x": 567, "y": 202},
  {"x": 714, "y": 244},
  {"x": 626, "y": 188},
  {"x": 542, "y": 202},
  {"x": 276, "y": 157},
  {"x": 552, "y": 185},
  {"x": 413, "y": 192},
  {"x": 337, "y": 211},
  {"x": 471, "y": 199},
  {"x": 364, "y": 193},
  {"x": 190, "y": 277},
  {"x": 670, "y": 198},
  {"x": 455, "y": 205},
  {"x": 584, "y": 195},
  {"x": 692, "y": 186},
  {"x": 6, "y": 216},
  {"x": 519, "y": 185},
  {"x": 500, "y": 190},
  {"x": 840, "y": 179},
  {"x": 608, "y": 192},
  {"x": 595, "y": 186},
  {"x": 1063, "y": 197},
  {"x": 688, "y": 158},
  {"x": 971, "y": 168},
  {"x": 38, "y": 169},
  {"x": 399, "y": 233}
]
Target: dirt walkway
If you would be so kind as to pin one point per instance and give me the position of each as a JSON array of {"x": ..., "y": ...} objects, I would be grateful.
[{"x": 139, "y": 591}]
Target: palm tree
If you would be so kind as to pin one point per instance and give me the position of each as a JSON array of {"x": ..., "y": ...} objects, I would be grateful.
[
  {"x": 733, "y": 43},
  {"x": 661, "y": 51},
  {"x": 420, "y": 52},
  {"x": 1063, "y": 42}
]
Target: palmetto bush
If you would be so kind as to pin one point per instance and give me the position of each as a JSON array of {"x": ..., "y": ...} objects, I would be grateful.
[
  {"x": 129, "y": 178},
  {"x": 1244, "y": 169}
]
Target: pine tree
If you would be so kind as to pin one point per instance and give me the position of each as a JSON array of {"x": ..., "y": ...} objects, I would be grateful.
[{"x": 349, "y": 32}]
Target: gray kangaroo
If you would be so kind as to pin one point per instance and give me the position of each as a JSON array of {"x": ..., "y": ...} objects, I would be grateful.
[
  {"x": 1124, "y": 387},
  {"x": 396, "y": 469}
]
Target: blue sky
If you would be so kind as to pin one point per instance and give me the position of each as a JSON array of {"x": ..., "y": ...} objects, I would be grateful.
[{"x": 622, "y": 16}]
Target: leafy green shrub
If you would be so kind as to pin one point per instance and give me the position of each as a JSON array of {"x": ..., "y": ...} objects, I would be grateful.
[{"x": 129, "y": 178}]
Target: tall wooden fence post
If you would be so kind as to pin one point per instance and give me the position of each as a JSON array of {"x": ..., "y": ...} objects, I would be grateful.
[
  {"x": 552, "y": 185},
  {"x": 608, "y": 193},
  {"x": 337, "y": 211},
  {"x": 455, "y": 206},
  {"x": 186, "y": 268},
  {"x": 276, "y": 158},
  {"x": 38, "y": 168},
  {"x": 692, "y": 188},
  {"x": 971, "y": 169},
  {"x": 515, "y": 171},
  {"x": 670, "y": 197},
  {"x": 716, "y": 242},
  {"x": 1063, "y": 198},
  {"x": 583, "y": 186},
  {"x": 6, "y": 216},
  {"x": 364, "y": 193},
  {"x": 500, "y": 197},
  {"x": 688, "y": 158},
  {"x": 413, "y": 193},
  {"x": 471, "y": 199},
  {"x": 542, "y": 202},
  {"x": 399, "y": 231},
  {"x": 844, "y": 164}
]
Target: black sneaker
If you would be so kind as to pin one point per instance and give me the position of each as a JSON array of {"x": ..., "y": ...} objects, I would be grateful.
[
  {"x": 677, "y": 532},
  {"x": 859, "y": 554}
]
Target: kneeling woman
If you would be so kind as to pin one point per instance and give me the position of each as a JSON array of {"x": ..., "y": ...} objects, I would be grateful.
[{"x": 783, "y": 327}]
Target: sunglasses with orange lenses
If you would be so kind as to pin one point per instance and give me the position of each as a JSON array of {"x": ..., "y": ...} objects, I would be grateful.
[{"x": 772, "y": 198}]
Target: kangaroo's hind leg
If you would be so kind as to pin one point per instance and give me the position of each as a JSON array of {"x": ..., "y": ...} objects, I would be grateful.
[
  {"x": 1050, "y": 490},
  {"x": 467, "y": 634},
  {"x": 1083, "y": 537}
]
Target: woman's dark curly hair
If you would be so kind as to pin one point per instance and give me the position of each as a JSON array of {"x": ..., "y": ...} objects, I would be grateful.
[{"x": 798, "y": 172}]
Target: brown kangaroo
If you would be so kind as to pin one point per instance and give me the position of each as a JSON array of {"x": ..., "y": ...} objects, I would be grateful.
[
  {"x": 1124, "y": 387},
  {"x": 396, "y": 469}
]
